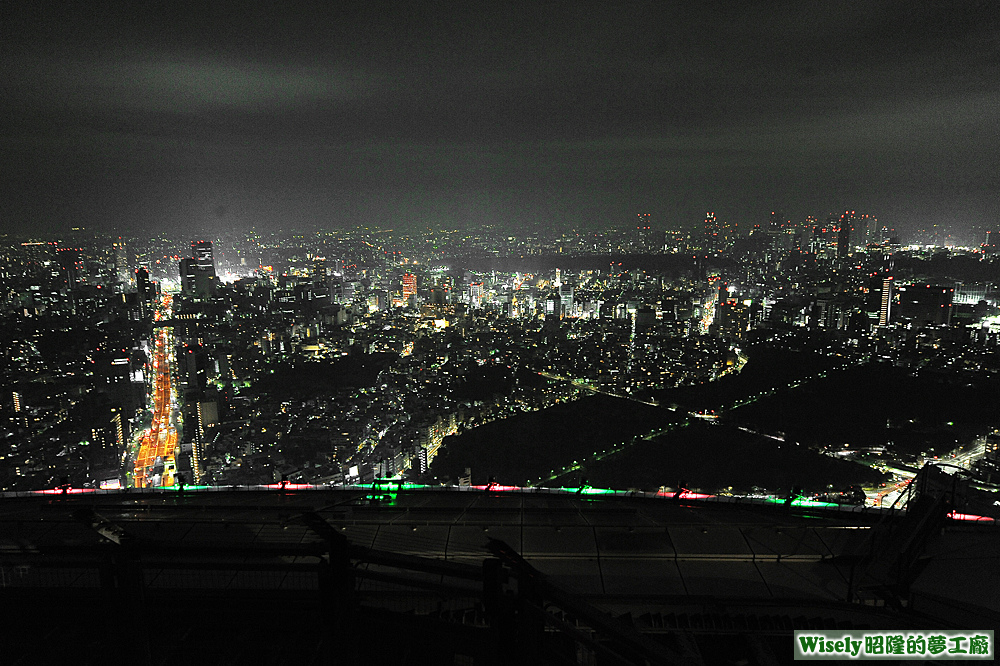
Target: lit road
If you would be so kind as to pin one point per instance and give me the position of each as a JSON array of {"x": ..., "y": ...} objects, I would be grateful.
[
  {"x": 889, "y": 495},
  {"x": 579, "y": 383},
  {"x": 964, "y": 456},
  {"x": 156, "y": 450}
]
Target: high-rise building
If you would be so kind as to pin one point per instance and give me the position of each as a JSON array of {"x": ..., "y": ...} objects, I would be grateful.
[
  {"x": 846, "y": 231},
  {"x": 732, "y": 318},
  {"x": 202, "y": 253},
  {"x": 188, "y": 271},
  {"x": 644, "y": 234},
  {"x": 803, "y": 234},
  {"x": 198, "y": 277},
  {"x": 925, "y": 303},
  {"x": 476, "y": 293},
  {"x": 409, "y": 285},
  {"x": 71, "y": 267},
  {"x": 991, "y": 245},
  {"x": 121, "y": 260},
  {"x": 566, "y": 300},
  {"x": 145, "y": 291},
  {"x": 776, "y": 222},
  {"x": 868, "y": 228},
  {"x": 885, "y": 312},
  {"x": 711, "y": 232},
  {"x": 319, "y": 270}
]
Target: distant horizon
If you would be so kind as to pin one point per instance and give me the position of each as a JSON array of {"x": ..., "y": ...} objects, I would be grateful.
[{"x": 970, "y": 238}]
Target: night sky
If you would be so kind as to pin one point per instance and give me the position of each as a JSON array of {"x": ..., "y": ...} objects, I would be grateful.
[{"x": 190, "y": 116}]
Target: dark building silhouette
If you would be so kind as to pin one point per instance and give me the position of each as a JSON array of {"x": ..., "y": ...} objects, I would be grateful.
[
  {"x": 198, "y": 276},
  {"x": 145, "y": 292},
  {"x": 845, "y": 234},
  {"x": 188, "y": 273},
  {"x": 71, "y": 266},
  {"x": 925, "y": 304}
]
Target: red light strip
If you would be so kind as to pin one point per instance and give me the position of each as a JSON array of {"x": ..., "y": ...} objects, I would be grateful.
[
  {"x": 954, "y": 515},
  {"x": 684, "y": 494}
]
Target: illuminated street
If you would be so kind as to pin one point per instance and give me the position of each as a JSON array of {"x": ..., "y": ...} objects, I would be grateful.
[{"x": 154, "y": 464}]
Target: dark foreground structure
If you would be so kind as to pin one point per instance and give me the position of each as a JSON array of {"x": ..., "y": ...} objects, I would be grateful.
[{"x": 471, "y": 576}]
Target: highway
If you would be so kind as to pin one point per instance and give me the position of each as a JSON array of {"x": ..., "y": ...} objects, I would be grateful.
[
  {"x": 964, "y": 456},
  {"x": 154, "y": 464}
]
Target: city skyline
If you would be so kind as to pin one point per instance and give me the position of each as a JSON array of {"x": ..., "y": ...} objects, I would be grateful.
[
  {"x": 213, "y": 335},
  {"x": 575, "y": 117},
  {"x": 631, "y": 332}
]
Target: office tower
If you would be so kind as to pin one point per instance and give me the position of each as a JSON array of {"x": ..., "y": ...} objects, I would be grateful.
[
  {"x": 319, "y": 270},
  {"x": 198, "y": 277},
  {"x": 71, "y": 269},
  {"x": 121, "y": 260},
  {"x": 868, "y": 228},
  {"x": 846, "y": 231},
  {"x": 202, "y": 253},
  {"x": 776, "y": 222},
  {"x": 711, "y": 231},
  {"x": 803, "y": 235},
  {"x": 476, "y": 293},
  {"x": 38, "y": 252},
  {"x": 885, "y": 311},
  {"x": 566, "y": 300},
  {"x": 144, "y": 287},
  {"x": 409, "y": 285},
  {"x": 644, "y": 233},
  {"x": 732, "y": 319},
  {"x": 118, "y": 428},
  {"x": 643, "y": 320},
  {"x": 188, "y": 271}
]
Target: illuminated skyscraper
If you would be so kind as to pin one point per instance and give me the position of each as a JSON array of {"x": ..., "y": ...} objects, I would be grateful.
[
  {"x": 644, "y": 234},
  {"x": 319, "y": 270},
  {"x": 121, "y": 260},
  {"x": 885, "y": 311},
  {"x": 476, "y": 293},
  {"x": 409, "y": 285},
  {"x": 566, "y": 300},
  {"x": 711, "y": 233}
]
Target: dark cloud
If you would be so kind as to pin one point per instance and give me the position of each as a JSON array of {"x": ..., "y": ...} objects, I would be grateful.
[{"x": 572, "y": 111}]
